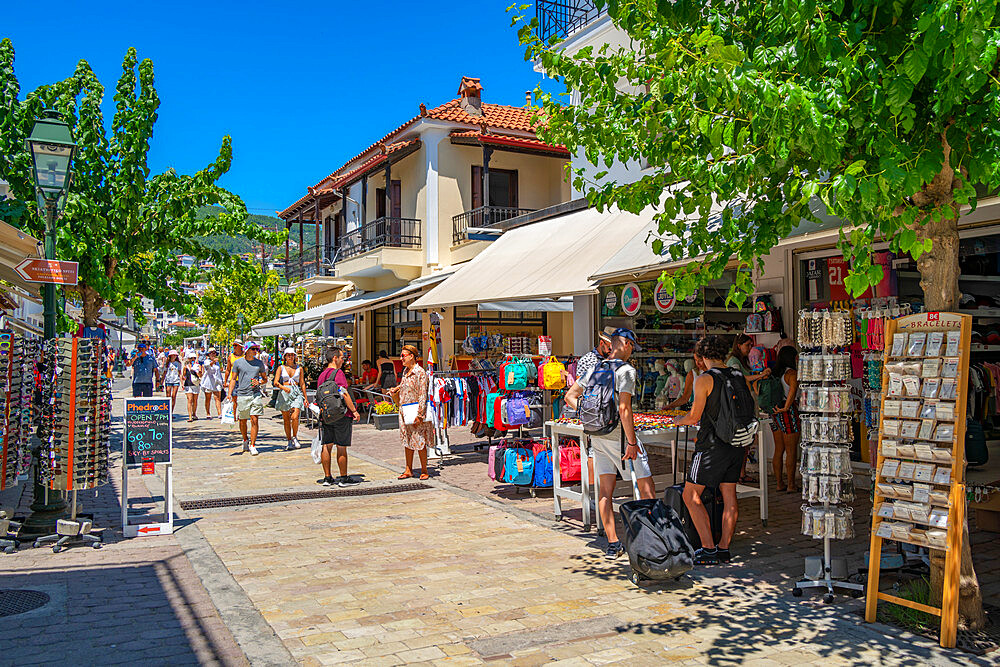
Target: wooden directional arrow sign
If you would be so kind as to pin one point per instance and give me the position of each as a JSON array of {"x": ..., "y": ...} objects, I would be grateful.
[{"x": 49, "y": 271}]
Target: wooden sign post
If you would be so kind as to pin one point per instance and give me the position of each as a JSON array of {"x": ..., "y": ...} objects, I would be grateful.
[
  {"x": 920, "y": 483},
  {"x": 147, "y": 442}
]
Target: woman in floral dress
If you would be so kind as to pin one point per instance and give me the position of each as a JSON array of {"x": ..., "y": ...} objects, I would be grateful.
[{"x": 413, "y": 389}]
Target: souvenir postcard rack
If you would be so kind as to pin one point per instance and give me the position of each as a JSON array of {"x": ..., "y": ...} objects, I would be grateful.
[{"x": 920, "y": 469}]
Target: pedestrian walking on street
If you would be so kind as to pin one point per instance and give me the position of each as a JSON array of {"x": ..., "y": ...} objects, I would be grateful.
[
  {"x": 237, "y": 353},
  {"x": 290, "y": 380},
  {"x": 412, "y": 388},
  {"x": 609, "y": 460},
  {"x": 337, "y": 434},
  {"x": 172, "y": 377},
  {"x": 191, "y": 380},
  {"x": 211, "y": 381},
  {"x": 716, "y": 462},
  {"x": 246, "y": 384},
  {"x": 144, "y": 370}
]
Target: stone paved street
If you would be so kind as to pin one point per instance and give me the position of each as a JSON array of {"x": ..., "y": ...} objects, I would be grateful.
[{"x": 464, "y": 572}]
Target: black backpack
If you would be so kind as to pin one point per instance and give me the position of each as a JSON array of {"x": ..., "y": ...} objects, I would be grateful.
[
  {"x": 332, "y": 407},
  {"x": 736, "y": 424}
]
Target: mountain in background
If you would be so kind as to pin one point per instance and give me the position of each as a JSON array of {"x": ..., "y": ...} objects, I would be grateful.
[{"x": 239, "y": 244}]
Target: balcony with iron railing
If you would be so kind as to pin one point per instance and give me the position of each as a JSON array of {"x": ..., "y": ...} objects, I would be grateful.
[
  {"x": 484, "y": 216},
  {"x": 561, "y": 18},
  {"x": 384, "y": 232}
]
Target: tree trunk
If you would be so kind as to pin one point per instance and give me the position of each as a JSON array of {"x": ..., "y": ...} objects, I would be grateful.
[
  {"x": 939, "y": 272},
  {"x": 92, "y": 304}
]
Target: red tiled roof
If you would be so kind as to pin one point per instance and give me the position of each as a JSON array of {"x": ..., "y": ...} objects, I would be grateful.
[{"x": 508, "y": 140}]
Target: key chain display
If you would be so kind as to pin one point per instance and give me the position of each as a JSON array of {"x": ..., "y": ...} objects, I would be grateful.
[
  {"x": 919, "y": 495},
  {"x": 827, "y": 417}
]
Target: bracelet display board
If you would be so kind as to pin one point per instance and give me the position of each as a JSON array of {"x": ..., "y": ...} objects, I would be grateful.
[{"x": 920, "y": 468}]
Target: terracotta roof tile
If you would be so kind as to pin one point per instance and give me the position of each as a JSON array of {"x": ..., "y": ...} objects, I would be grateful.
[{"x": 510, "y": 140}]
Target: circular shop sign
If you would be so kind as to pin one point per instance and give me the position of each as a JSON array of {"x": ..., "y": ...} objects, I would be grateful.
[
  {"x": 692, "y": 297},
  {"x": 664, "y": 300},
  {"x": 611, "y": 299},
  {"x": 631, "y": 299}
]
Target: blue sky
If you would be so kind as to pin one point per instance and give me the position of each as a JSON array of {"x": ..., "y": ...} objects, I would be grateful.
[{"x": 301, "y": 87}]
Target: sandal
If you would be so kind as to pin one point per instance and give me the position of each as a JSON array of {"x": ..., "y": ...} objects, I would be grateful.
[
  {"x": 405, "y": 475},
  {"x": 424, "y": 475}
]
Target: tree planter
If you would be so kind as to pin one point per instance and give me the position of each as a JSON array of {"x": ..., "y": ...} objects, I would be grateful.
[{"x": 386, "y": 422}]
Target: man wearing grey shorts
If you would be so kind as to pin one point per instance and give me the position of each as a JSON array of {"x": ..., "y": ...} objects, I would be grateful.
[{"x": 609, "y": 459}]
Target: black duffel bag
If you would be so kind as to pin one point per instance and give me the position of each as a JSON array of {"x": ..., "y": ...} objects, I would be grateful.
[{"x": 654, "y": 540}]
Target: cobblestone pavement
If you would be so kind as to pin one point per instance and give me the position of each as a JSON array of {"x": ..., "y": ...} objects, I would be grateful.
[
  {"x": 469, "y": 572},
  {"x": 133, "y": 601}
]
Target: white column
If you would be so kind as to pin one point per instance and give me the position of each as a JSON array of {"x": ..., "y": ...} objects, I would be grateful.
[
  {"x": 431, "y": 138},
  {"x": 584, "y": 324}
]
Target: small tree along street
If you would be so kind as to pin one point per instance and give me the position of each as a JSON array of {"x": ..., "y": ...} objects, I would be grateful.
[
  {"x": 125, "y": 227},
  {"x": 245, "y": 290},
  {"x": 882, "y": 114}
]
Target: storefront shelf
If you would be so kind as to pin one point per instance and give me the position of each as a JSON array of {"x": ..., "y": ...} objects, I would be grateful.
[
  {"x": 985, "y": 348},
  {"x": 663, "y": 354},
  {"x": 699, "y": 332}
]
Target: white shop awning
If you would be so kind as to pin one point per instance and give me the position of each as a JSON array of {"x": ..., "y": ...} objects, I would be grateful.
[
  {"x": 313, "y": 318},
  {"x": 563, "y": 305},
  {"x": 543, "y": 260}
]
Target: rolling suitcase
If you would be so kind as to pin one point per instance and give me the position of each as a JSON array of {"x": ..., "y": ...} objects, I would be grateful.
[
  {"x": 673, "y": 497},
  {"x": 655, "y": 542}
]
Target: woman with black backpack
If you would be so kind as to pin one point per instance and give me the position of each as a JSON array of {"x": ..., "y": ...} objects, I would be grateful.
[{"x": 785, "y": 425}]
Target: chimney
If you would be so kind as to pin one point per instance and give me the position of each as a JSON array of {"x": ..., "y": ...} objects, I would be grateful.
[
  {"x": 527, "y": 98},
  {"x": 470, "y": 96}
]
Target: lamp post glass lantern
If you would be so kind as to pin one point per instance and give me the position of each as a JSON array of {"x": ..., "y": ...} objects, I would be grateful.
[{"x": 51, "y": 146}]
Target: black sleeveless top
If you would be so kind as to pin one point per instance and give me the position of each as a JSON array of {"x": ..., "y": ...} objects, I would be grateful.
[{"x": 706, "y": 432}]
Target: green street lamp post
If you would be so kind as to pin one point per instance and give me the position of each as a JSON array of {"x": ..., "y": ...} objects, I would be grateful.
[{"x": 51, "y": 146}]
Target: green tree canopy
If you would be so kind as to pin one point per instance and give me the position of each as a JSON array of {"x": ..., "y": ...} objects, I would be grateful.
[
  {"x": 124, "y": 226},
  {"x": 245, "y": 289},
  {"x": 886, "y": 111}
]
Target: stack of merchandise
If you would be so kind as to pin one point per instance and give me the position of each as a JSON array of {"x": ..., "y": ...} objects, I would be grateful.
[
  {"x": 17, "y": 381},
  {"x": 518, "y": 345},
  {"x": 827, "y": 424},
  {"x": 76, "y": 418}
]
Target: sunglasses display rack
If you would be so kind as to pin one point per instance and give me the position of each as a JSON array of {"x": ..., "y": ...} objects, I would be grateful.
[
  {"x": 75, "y": 431},
  {"x": 17, "y": 382},
  {"x": 826, "y": 408},
  {"x": 920, "y": 491}
]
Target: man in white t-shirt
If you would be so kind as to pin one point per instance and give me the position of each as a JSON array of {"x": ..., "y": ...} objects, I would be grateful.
[{"x": 609, "y": 459}]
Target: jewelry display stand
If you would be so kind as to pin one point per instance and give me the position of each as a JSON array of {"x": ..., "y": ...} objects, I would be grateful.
[{"x": 827, "y": 430}]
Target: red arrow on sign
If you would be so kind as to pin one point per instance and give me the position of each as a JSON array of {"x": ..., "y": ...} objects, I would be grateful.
[
  {"x": 49, "y": 271},
  {"x": 149, "y": 529}
]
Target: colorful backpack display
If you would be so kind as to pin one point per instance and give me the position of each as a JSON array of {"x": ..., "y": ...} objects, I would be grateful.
[
  {"x": 490, "y": 412},
  {"x": 542, "y": 476},
  {"x": 514, "y": 375},
  {"x": 518, "y": 466},
  {"x": 496, "y": 452},
  {"x": 500, "y": 463},
  {"x": 551, "y": 374},
  {"x": 757, "y": 359}
]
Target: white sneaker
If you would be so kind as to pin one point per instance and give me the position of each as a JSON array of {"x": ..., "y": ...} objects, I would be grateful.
[
  {"x": 246, "y": 445},
  {"x": 298, "y": 445},
  {"x": 253, "y": 451},
  {"x": 291, "y": 446}
]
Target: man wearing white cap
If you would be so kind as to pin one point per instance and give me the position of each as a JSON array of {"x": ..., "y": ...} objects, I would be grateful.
[{"x": 246, "y": 384}]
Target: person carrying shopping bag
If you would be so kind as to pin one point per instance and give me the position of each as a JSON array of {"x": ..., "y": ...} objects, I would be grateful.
[{"x": 290, "y": 381}]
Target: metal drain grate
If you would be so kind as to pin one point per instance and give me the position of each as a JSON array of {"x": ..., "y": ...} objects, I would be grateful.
[
  {"x": 240, "y": 501},
  {"x": 13, "y": 602}
]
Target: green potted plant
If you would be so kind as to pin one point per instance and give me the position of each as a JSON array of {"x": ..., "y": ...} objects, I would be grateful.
[{"x": 385, "y": 416}]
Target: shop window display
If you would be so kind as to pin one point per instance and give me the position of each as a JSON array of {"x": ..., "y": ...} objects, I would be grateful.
[{"x": 667, "y": 329}]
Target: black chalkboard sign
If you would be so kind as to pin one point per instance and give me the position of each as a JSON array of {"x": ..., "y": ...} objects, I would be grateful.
[{"x": 147, "y": 430}]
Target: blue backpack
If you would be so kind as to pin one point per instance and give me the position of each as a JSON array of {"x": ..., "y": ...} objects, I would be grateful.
[
  {"x": 543, "y": 469},
  {"x": 598, "y": 407},
  {"x": 518, "y": 466}
]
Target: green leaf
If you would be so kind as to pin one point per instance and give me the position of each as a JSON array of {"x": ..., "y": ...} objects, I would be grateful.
[
  {"x": 915, "y": 64},
  {"x": 855, "y": 167},
  {"x": 899, "y": 92}
]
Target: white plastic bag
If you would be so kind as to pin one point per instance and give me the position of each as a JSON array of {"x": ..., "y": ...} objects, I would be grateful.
[
  {"x": 317, "y": 449},
  {"x": 228, "y": 415}
]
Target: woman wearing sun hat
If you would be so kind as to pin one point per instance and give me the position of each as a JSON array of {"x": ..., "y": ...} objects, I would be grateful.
[
  {"x": 191, "y": 374},
  {"x": 290, "y": 380},
  {"x": 211, "y": 381},
  {"x": 172, "y": 377}
]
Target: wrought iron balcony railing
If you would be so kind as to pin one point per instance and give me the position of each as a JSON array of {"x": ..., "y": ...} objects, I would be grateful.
[
  {"x": 484, "y": 216},
  {"x": 560, "y": 18},
  {"x": 384, "y": 232}
]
